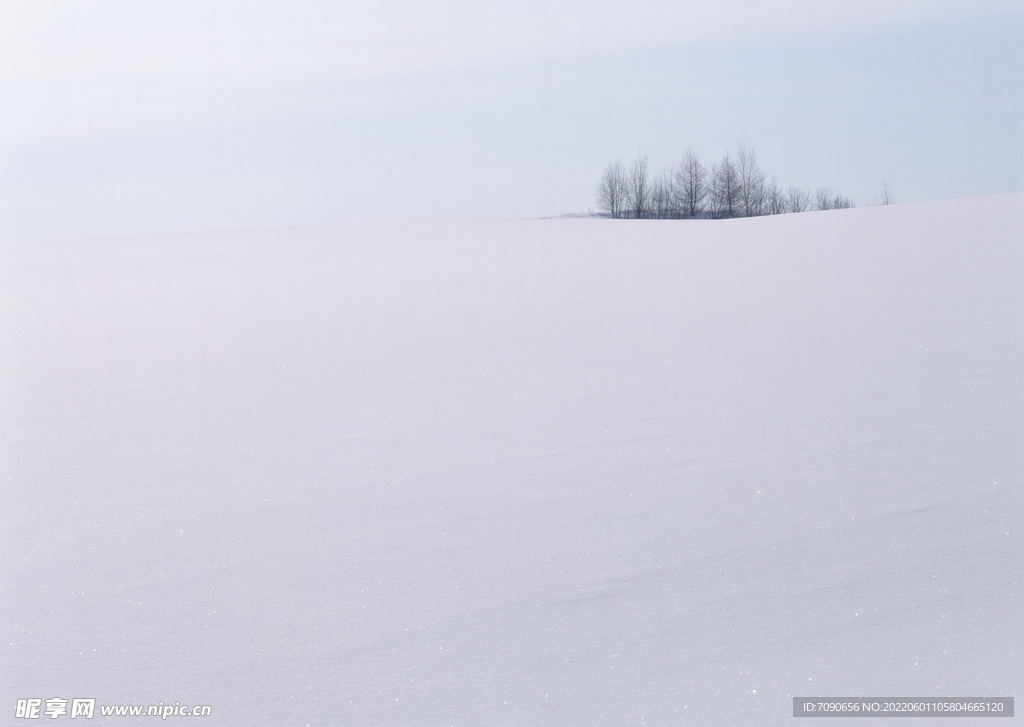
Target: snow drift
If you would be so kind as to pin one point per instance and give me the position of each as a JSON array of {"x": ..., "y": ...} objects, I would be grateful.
[{"x": 529, "y": 472}]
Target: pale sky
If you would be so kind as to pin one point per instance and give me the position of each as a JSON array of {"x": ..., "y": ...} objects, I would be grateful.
[{"x": 121, "y": 117}]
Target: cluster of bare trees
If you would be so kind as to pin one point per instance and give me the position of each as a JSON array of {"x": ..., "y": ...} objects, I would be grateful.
[{"x": 731, "y": 188}]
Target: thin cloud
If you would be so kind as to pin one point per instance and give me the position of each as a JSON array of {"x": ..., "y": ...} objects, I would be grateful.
[{"x": 236, "y": 42}]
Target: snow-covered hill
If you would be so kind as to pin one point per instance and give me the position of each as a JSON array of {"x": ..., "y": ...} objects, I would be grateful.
[{"x": 536, "y": 472}]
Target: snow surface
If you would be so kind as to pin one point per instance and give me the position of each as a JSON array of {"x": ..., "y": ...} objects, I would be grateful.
[{"x": 527, "y": 472}]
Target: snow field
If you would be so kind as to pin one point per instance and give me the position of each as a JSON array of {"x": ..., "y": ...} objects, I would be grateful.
[{"x": 521, "y": 472}]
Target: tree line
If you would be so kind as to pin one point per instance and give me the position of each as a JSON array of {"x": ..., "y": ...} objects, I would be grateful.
[{"x": 734, "y": 187}]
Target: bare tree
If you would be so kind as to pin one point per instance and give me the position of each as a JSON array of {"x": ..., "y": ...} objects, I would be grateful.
[
  {"x": 735, "y": 187},
  {"x": 774, "y": 202},
  {"x": 639, "y": 188},
  {"x": 752, "y": 182},
  {"x": 823, "y": 198},
  {"x": 663, "y": 196},
  {"x": 691, "y": 185},
  {"x": 613, "y": 191},
  {"x": 839, "y": 202},
  {"x": 885, "y": 195},
  {"x": 826, "y": 199},
  {"x": 797, "y": 200},
  {"x": 724, "y": 189}
]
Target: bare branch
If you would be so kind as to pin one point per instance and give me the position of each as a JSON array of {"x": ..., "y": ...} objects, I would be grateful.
[
  {"x": 639, "y": 188},
  {"x": 613, "y": 190},
  {"x": 691, "y": 185},
  {"x": 885, "y": 195}
]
